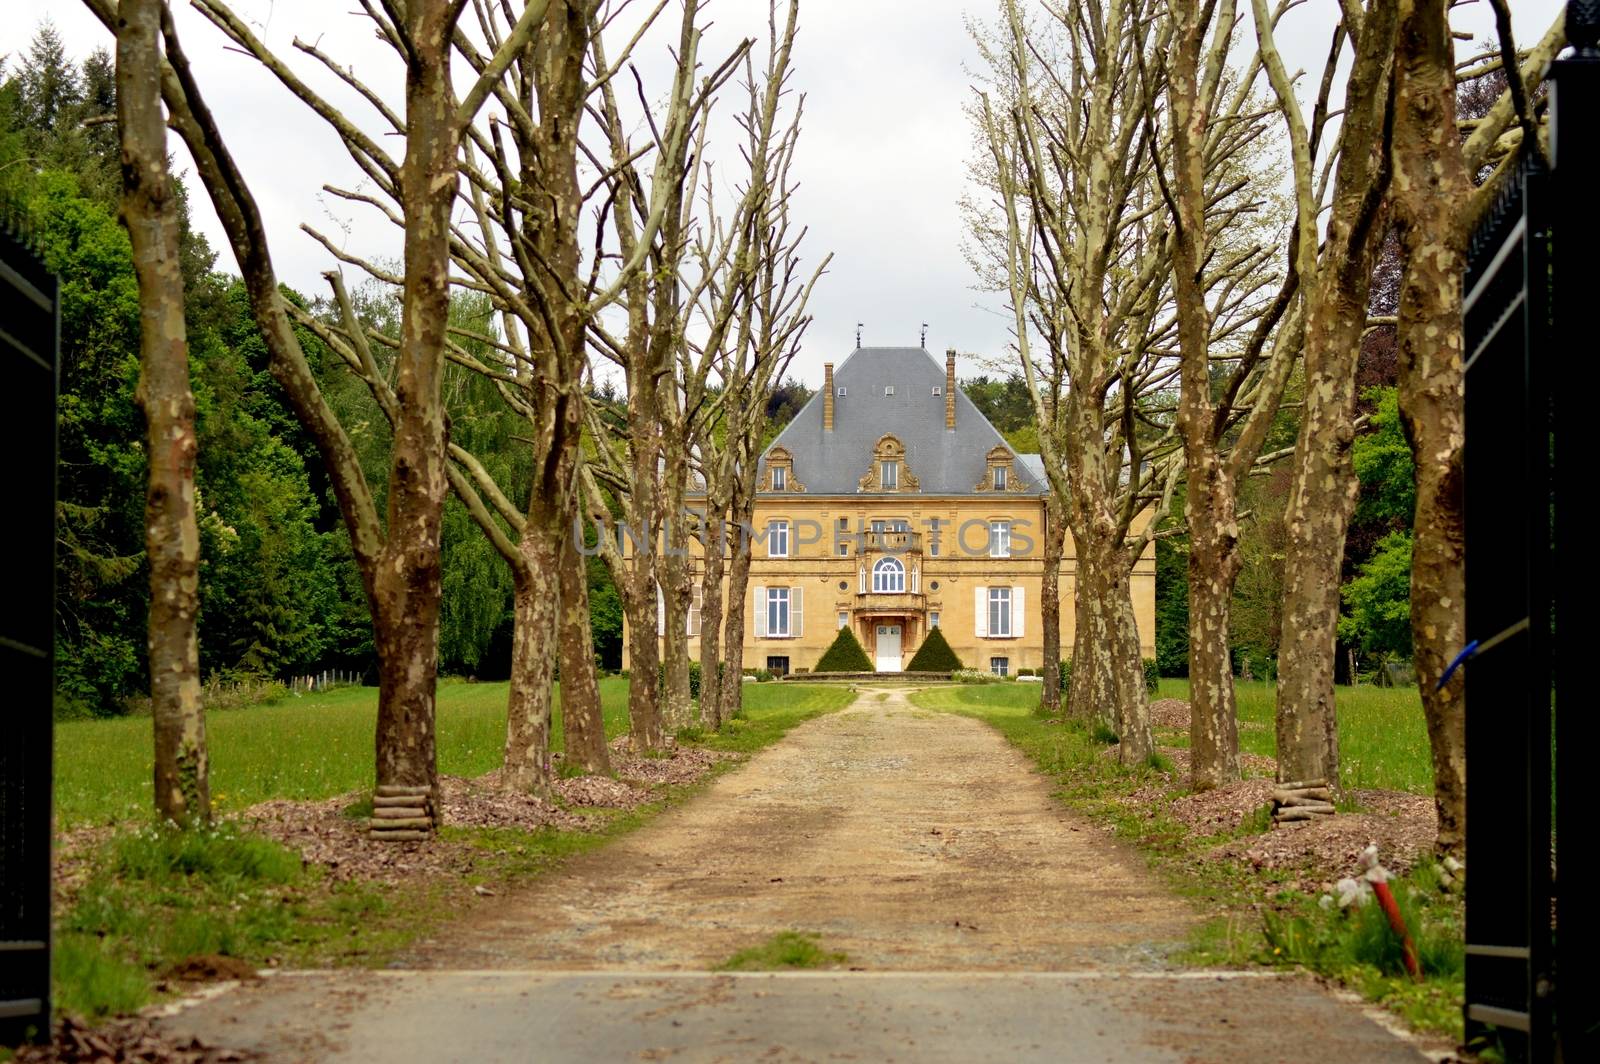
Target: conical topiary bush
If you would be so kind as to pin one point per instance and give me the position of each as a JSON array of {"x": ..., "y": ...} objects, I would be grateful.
[
  {"x": 934, "y": 655},
  {"x": 844, "y": 655}
]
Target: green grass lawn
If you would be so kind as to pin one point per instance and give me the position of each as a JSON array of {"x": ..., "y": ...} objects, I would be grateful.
[
  {"x": 319, "y": 745},
  {"x": 302, "y": 746},
  {"x": 1383, "y": 741}
]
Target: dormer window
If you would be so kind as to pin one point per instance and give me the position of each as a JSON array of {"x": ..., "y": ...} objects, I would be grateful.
[
  {"x": 888, "y": 389},
  {"x": 998, "y": 471},
  {"x": 889, "y": 471},
  {"x": 779, "y": 474}
]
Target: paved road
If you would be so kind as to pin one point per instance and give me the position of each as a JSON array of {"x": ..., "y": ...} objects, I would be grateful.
[{"x": 987, "y": 923}]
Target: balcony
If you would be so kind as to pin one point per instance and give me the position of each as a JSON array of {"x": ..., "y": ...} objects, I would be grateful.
[
  {"x": 892, "y": 541},
  {"x": 888, "y": 603}
]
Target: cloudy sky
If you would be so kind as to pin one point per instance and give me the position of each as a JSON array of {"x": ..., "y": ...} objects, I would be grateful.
[{"x": 882, "y": 161}]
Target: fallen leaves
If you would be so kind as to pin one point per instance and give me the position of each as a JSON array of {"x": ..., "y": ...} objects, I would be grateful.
[{"x": 129, "y": 1041}]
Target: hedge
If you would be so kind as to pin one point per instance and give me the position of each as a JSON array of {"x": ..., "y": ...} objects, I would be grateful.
[
  {"x": 844, "y": 655},
  {"x": 934, "y": 655},
  {"x": 1152, "y": 675}
]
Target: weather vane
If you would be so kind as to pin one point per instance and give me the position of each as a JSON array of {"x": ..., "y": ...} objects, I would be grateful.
[
  {"x": 924, "y": 341},
  {"x": 858, "y": 334}
]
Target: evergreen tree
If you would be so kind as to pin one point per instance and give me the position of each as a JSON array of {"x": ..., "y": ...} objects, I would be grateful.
[
  {"x": 934, "y": 655},
  {"x": 845, "y": 654}
]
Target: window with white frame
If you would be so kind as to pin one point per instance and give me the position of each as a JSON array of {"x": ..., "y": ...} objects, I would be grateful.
[
  {"x": 889, "y": 576},
  {"x": 844, "y": 618},
  {"x": 777, "y": 539},
  {"x": 844, "y": 550},
  {"x": 780, "y": 478},
  {"x": 999, "y": 478},
  {"x": 933, "y": 618},
  {"x": 999, "y": 539},
  {"x": 1000, "y": 612},
  {"x": 1000, "y": 666},
  {"x": 889, "y": 475},
  {"x": 777, "y": 611}
]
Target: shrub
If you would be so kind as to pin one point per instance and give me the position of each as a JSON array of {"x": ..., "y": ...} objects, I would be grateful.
[
  {"x": 973, "y": 676},
  {"x": 762, "y": 676},
  {"x": 1152, "y": 675},
  {"x": 844, "y": 655},
  {"x": 1066, "y": 675},
  {"x": 934, "y": 655},
  {"x": 694, "y": 679}
]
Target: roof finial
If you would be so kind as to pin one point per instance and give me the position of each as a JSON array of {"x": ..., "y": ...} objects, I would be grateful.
[
  {"x": 923, "y": 343},
  {"x": 858, "y": 334}
]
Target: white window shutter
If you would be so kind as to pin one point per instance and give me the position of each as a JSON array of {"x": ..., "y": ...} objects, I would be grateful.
[
  {"x": 980, "y": 611},
  {"x": 695, "y": 606},
  {"x": 761, "y": 612},
  {"x": 796, "y": 616},
  {"x": 661, "y": 612},
  {"x": 863, "y": 572},
  {"x": 1017, "y": 613}
]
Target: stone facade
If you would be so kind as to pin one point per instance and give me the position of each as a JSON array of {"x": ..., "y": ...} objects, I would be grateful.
[{"x": 894, "y": 512}]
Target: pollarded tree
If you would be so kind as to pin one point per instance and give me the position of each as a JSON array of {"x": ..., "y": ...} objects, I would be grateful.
[
  {"x": 172, "y": 534},
  {"x": 397, "y": 553}
]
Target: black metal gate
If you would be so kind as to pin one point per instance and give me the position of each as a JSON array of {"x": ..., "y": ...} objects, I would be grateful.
[
  {"x": 29, "y": 331},
  {"x": 1529, "y": 332}
]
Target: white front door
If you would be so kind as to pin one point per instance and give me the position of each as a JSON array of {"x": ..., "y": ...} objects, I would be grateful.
[{"x": 888, "y": 648}]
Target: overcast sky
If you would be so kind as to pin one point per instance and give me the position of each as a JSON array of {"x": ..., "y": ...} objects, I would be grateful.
[{"x": 882, "y": 159}]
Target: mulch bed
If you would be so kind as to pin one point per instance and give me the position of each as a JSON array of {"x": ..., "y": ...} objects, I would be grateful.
[
  {"x": 126, "y": 1041},
  {"x": 1402, "y": 825}
]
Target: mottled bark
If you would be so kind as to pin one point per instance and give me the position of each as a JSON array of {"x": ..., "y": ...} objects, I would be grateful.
[
  {"x": 172, "y": 536},
  {"x": 740, "y": 507},
  {"x": 526, "y": 766},
  {"x": 583, "y": 730},
  {"x": 1323, "y": 490},
  {"x": 714, "y": 544},
  {"x": 677, "y": 587},
  {"x": 1092, "y": 695},
  {"x": 1431, "y": 186},
  {"x": 1055, "y": 536}
]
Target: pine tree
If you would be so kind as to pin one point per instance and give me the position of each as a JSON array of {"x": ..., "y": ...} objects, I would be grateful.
[{"x": 934, "y": 655}]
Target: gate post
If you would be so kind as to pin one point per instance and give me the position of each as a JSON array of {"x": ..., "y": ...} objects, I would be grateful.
[{"x": 29, "y": 339}]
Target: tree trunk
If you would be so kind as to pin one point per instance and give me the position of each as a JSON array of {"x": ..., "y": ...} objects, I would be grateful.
[
  {"x": 714, "y": 543},
  {"x": 1213, "y": 713},
  {"x": 1092, "y": 695},
  {"x": 1126, "y": 665},
  {"x": 172, "y": 536},
  {"x": 1431, "y": 185},
  {"x": 526, "y": 769},
  {"x": 677, "y": 591},
  {"x": 583, "y": 726},
  {"x": 740, "y": 507},
  {"x": 1055, "y": 536}
]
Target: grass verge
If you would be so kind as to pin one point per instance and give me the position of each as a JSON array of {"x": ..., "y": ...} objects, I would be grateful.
[
  {"x": 785, "y": 951},
  {"x": 157, "y": 903},
  {"x": 1261, "y": 917}
]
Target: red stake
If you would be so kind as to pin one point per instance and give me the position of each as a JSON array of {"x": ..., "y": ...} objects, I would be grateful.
[{"x": 1392, "y": 910}]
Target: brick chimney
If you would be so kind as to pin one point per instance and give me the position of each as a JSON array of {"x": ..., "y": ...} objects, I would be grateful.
[
  {"x": 827, "y": 397},
  {"x": 950, "y": 389}
]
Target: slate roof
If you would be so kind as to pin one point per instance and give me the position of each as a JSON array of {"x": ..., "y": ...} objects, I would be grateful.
[{"x": 945, "y": 462}]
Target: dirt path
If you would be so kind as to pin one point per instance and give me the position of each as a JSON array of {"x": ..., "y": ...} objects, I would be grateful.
[
  {"x": 991, "y": 926},
  {"x": 908, "y": 839}
]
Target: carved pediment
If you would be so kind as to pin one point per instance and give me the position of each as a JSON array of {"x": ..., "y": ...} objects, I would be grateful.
[
  {"x": 1000, "y": 457},
  {"x": 779, "y": 458},
  {"x": 889, "y": 449}
]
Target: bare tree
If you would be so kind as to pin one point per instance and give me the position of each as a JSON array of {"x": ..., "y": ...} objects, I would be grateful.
[
  {"x": 398, "y": 553},
  {"x": 1082, "y": 254},
  {"x": 172, "y": 536},
  {"x": 1221, "y": 290},
  {"x": 1335, "y": 276}
]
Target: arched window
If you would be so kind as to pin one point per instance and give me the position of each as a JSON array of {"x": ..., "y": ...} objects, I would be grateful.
[{"x": 888, "y": 575}]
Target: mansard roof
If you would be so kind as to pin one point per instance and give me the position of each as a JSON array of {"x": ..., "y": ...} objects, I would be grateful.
[{"x": 944, "y": 461}]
